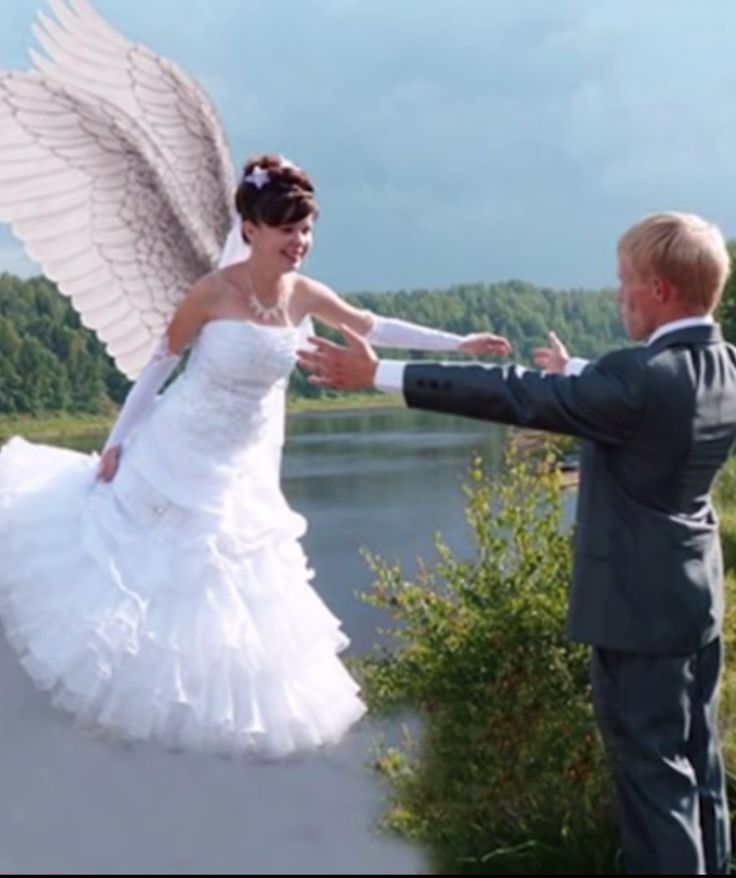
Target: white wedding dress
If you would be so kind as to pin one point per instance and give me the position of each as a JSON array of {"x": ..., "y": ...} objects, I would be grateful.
[{"x": 174, "y": 603}]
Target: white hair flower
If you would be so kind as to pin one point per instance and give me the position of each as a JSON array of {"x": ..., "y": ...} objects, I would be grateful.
[{"x": 258, "y": 177}]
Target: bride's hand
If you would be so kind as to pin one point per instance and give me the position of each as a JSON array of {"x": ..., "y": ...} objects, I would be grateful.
[
  {"x": 109, "y": 463},
  {"x": 483, "y": 344}
]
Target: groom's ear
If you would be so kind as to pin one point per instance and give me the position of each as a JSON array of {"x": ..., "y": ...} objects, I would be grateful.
[{"x": 664, "y": 291}]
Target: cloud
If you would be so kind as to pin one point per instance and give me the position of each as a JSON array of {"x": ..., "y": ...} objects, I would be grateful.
[{"x": 468, "y": 140}]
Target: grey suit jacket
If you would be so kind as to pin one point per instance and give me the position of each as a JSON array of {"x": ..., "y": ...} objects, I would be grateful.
[{"x": 660, "y": 420}]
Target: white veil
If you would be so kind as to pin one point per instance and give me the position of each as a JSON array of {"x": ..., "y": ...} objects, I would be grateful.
[{"x": 235, "y": 249}]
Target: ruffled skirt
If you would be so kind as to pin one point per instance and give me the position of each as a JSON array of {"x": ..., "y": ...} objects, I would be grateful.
[{"x": 196, "y": 626}]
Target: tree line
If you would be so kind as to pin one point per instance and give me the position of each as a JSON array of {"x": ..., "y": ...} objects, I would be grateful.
[{"x": 50, "y": 363}]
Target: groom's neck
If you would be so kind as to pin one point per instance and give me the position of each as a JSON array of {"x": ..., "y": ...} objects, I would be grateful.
[{"x": 680, "y": 313}]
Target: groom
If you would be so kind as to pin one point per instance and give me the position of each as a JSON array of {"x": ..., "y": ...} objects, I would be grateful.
[{"x": 647, "y": 590}]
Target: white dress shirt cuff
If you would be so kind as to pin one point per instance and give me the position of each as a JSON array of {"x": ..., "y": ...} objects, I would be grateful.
[
  {"x": 575, "y": 365},
  {"x": 390, "y": 376}
]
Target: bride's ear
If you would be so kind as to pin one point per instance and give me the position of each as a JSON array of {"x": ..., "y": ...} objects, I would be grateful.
[{"x": 247, "y": 229}]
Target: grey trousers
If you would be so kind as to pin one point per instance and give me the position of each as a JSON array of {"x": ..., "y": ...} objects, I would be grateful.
[{"x": 658, "y": 715}]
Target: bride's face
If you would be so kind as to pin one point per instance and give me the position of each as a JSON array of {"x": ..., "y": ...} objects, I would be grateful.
[{"x": 284, "y": 247}]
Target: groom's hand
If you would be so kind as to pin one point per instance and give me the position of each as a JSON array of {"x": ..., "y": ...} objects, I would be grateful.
[
  {"x": 553, "y": 359},
  {"x": 340, "y": 368}
]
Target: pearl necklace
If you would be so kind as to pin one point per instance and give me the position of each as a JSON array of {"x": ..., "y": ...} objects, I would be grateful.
[{"x": 263, "y": 312}]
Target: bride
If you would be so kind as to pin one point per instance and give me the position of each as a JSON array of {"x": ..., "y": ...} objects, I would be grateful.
[{"x": 160, "y": 591}]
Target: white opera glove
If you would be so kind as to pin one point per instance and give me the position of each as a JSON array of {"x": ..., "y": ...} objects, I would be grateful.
[
  {"x": 142, "y": 394},
  {"x": 390, "y": 332}
]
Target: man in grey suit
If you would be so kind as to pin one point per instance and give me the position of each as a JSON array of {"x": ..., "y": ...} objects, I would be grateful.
[{"x": 647, "y": 592}]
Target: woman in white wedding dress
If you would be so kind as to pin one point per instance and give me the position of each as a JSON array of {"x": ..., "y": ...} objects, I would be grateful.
[{"x": 161, "y": 591}]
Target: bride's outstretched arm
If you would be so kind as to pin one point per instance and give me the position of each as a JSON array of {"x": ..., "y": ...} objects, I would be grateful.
[{"x": 393, "y": 332}]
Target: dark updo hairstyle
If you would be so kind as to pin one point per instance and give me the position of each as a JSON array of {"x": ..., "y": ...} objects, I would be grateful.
[{"x": 274, "y": 191}]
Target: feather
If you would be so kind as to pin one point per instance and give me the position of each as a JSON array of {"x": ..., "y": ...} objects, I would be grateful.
[{"x": 116, "y": 176}]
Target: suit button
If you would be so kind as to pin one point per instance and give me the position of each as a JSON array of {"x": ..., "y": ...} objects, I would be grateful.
[{"x": 420, "y": 383}]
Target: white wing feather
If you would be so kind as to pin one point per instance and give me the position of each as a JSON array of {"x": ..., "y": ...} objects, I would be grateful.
[
  {"x": 86, "y": 52},
  {"x": 116, "y": 175},
  {"x": 95, "y": 203}
]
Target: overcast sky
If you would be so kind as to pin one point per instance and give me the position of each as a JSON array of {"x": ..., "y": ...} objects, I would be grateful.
[{"x": 459, "y": 140}]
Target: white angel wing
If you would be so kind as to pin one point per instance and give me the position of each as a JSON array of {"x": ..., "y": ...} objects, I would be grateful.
[
  {"x": 86, "y": 52},
  {"x": 89, "y": 193}
]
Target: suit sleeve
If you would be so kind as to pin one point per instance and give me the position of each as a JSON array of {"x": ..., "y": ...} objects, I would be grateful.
[{"x": 604, "y": 403}]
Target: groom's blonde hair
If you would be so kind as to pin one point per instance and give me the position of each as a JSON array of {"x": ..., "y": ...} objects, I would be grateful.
[{"x": 685, "y": 250}]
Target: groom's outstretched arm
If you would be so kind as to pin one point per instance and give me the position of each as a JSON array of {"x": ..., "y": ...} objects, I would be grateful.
[{"x": 604, "y": 403}]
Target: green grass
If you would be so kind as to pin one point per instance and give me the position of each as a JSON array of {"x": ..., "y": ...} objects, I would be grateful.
[
  {"x": 53, "y": 427},
  {"x": 48, "y": 428},
  {"x": 345, "y": 402}
]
